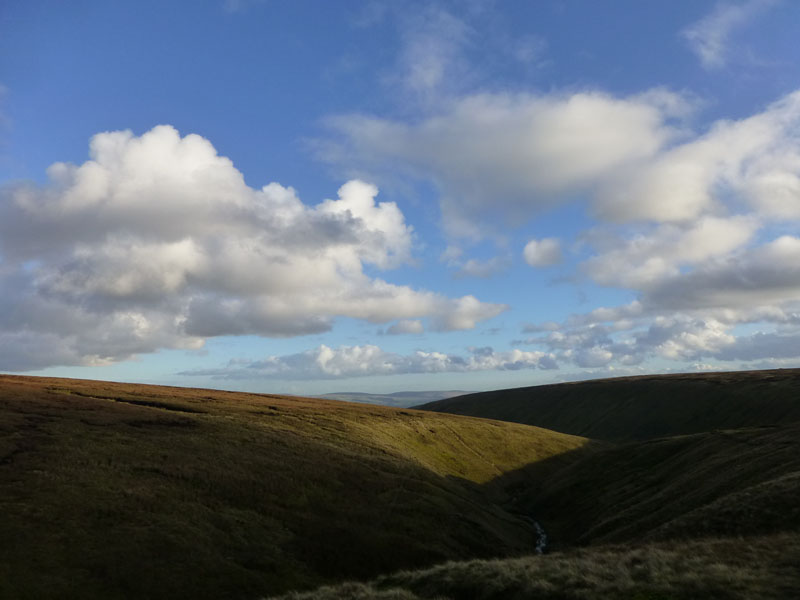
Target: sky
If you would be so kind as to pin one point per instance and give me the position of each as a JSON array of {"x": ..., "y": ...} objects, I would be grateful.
[{"x": 314, "y": 196}]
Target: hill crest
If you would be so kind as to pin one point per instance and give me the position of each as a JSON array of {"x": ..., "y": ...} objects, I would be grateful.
[{"x": 644, "y": 406}]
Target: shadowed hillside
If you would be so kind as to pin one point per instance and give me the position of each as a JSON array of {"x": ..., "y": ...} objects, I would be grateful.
[
  {"x": 721, "y": 483},
  {"x": 708, "y": 514},
  {"x": 642, "y": 407},
  {"x": 701, "y": 516},
  {"x": 131, "y": 491}
]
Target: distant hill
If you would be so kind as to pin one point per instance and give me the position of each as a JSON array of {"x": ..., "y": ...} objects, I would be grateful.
[
  {"x": 398, "y": 399},
  {"x": 642, "y": 407},
  {"x": 112, "y": 490}
]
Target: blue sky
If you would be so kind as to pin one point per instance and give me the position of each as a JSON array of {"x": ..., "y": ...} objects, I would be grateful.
[{"x": 313, "y": 196}]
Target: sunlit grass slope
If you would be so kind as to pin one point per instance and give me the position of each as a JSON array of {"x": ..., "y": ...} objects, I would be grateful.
[
  {"x": 131, "y": 491},
  {"x": 762, "y": 568},
  {"x": 643, "y": 407}
]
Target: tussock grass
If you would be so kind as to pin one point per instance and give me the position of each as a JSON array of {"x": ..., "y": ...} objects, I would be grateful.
[{"x": 743, "y": 569}]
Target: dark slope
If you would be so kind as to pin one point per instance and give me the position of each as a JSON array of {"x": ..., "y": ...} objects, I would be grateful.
[
  {"x": 700, "y": 516},
  {"x": 130, "y": 491},
  {"x": 642, "y": 407},
  {"x": 722, "y": 483}
]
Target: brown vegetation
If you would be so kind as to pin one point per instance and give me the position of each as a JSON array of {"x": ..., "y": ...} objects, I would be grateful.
[{"x": 131, "y": 491}]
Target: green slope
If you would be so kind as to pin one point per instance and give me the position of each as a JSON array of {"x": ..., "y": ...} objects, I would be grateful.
[
  {"x": 643, "y": 407},
  {"x": 129, "y": 491}
]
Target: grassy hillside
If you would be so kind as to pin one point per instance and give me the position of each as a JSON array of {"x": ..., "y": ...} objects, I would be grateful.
[
  {"x": 763, "y": 568},
  {"x": 643, "y": 407},
  {"x": 130, "y": 491},
  {"x": 721, "y": 483},
  {"x": 701, "y": 516}
]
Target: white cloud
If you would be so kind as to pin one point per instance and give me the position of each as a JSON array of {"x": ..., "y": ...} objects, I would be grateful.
[
  {"x": 505, "y": 156},
  {"x": 632, "y": 334},
  {"x": 157, "y": 242},
  {"x": 709, "y": 38},
  {"x": 463, "y": 313},
  {"x": 647, "y": 259},
  {"x": 749, "y": 160},
  {"x": 683, "y": 338},
  {"x": 543, "y": 253},
  {"x": 497, "y": 159},
  {"x": 766, "y": 275},
  {"x": 591, "y": 358},
  {"x": 360, "y": 361}
]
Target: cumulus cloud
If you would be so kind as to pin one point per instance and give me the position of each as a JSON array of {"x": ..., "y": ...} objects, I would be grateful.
[
  {"x": 766, "y": 275},
  {"x": 691, "y": 221},
  {"x": 684, "y": 338},
  {"x": 706, "y": 254},
  {"x": 648, "y": 258},
  {"x": 753, "y": 160},
  {"x": 499, "y": 158},
  {"x": 631, "y": 334},
  {"x": 709, "y": 37},
  {"x": 511, "y": 155},
  {"x": 542, "y": 253},
  {"x": 360, "y": 361},
  {"x": 157, "y": 242}
]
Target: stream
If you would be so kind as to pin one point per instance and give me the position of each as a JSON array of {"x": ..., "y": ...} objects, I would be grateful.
[{"x": 541, "y": 534}]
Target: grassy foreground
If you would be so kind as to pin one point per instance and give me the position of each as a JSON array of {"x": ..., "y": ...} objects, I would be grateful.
[
  {"x": 131, "y": 491},
  {"x": 763, "y": 568}
]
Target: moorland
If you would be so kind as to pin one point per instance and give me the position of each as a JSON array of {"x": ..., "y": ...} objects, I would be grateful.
[{"x": 678, "y": 486}]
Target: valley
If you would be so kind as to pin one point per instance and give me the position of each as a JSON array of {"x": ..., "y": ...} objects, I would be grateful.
[{"x": 114, "y": 490}]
